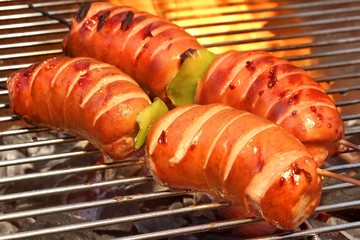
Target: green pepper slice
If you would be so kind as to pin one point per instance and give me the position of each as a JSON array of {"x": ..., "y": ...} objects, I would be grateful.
[
  {"x": 146, "y": 117},
  {"x": 181, "y": 90}
]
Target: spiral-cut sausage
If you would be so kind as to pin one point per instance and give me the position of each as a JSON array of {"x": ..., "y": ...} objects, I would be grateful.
[
  {"x": 273, "y": 88},
  {"x": 147, "y": 47},
  {"x": 83, "y": 96},
  {"x": 238, "y": 156}
]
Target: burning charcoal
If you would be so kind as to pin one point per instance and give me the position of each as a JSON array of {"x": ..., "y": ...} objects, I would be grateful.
[
  {"x": 217, "y": 237},
  {"x": 43, "y": 222},
  {"x": 176, "y": 205},
  {"x": 205, "y": 198},
  {"x": 10, "y": 171},
  {"x": 206, "y": 236},
  {"x": 201, "y": 217},
  {"x": 189, "y": 201},
  {"x": 351, "y": 157},
  {"x": 7, "y": 228},
  {"x": 350, "y": 233},
  {"x": 121, "y": 209},
  {"x": 158, "y": 187},
  {"x": 176, "y": 221},
  {"x": 123, "y": 172},
  {"x": 186, "y": 237},
  {"x": 342, "y": 196},
  {"x": 158, "y": 224},
  {"x": 76, "y": 197},
  {"x": 330, "y": 235}
]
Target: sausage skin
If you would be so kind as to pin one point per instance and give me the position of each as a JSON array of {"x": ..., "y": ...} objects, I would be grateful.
[
  {"x": 146, "y": 47},
  {"x": 275, "y": 89},
  {"x": 83, "y": 96},
  {"x": 238, "y": 156}
]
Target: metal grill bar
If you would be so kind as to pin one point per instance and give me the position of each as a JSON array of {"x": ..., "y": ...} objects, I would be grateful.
[
  {"x": 11, "y": 67},
  {"x": 30, "y": 54},
  {"x": 99, "y": 203},
  {"x": 51, "y": 157},
  {"x": 22, "y": 131},
  {"x": 331, "y": 65},
  {"x": 283, "y": 26},
  {"x": 191, "y": 229},
  {"x": 343, "y": 90},
  {"x": 4, "y": 105},
  {"x": 234, "y": 223},
  {"x": 347, "y": 103},
  {"x": 343, "y": 167},
  {"x": 283, "y": 37},
  {"x": 30, "y": 24},
  {"x": 351, "y": 117},
  {"x": 340, "y": 186},
  {"x": 332, "y": 59},
  {"x": 319, "y": 43},
  {"x": 8, "y": 118},
  {"x": 33, "y": 33},
  {"x": 67, "y": 171},
  {"x": 38, "y": 143},
  {"x": 113, "y": 221},
  {"x": 317, "y": 231},
  {"x": 287, "y": 16},
  {"x": 30, "y": 15},
  {"x": 30, "y": 44},
  {"x": 291, "y": 6},
  {"x": 81, "y": 187},
  {"x": 324, "y": 54},
  {"x": 3, "y": 92},
  {"x": 338, "y": 77},
  {"x": 40, "y": 4},
  {"x": 352, "y": 132},
  {"x": 67, "y": 189}
]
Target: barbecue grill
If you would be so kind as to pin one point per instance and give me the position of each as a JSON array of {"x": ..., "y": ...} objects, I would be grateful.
[{"x": 56, "y": 186}]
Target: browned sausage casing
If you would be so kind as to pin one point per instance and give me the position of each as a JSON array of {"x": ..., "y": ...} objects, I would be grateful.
[
  {"x": 146, "y": 47},
  {"x": 238, "y": 156},
  {"x": 275, "y": 89},
  {"x": 83, "y": 96}
]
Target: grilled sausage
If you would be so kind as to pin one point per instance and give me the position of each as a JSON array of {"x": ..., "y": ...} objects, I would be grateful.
[
  {"x": 151, "y": 49},
  {"x": 148, "y": 48},
  {"x": 273, "y": 88},
  {"x": 238, "y": 156},
  {"x": 83, "y": 96}
]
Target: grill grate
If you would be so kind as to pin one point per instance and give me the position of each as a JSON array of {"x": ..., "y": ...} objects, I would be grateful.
[{"x": 322, "y": 37}]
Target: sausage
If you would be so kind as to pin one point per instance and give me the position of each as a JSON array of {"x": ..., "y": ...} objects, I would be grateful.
[
  {"x": 236, "y": 155},
  {"x": 148, "y": 48},
  {"x": 83, "y": 96},
  {"x": 275, "y": 89},
  {"x": 213, "y": 145},
  {"x": 151, "y": 50}
]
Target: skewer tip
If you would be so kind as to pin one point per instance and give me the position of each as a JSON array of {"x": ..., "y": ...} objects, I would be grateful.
[
  {"x": 343, "y": 178},
  {"x": 349, "y": 144}
]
